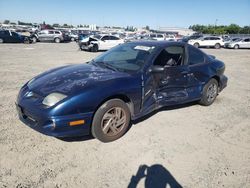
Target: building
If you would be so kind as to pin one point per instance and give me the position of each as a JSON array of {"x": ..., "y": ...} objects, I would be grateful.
[{"x": 176, "y": 30}]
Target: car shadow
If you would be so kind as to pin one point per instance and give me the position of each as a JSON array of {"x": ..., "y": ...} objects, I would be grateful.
[
  {"x": 134, "y": 122},
  {"x": 155, "y": 176},
  {"x": 76, "y": 139},
  {"x": 168, "y": 108}
]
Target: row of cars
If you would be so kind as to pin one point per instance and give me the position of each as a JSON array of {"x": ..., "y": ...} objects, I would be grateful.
[
  {"x": 218, "y": 42},
  {"x": 8, "y": 36}
]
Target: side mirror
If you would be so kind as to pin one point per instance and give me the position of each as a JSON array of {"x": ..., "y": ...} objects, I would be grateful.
[{"x": 156, "y": 69}]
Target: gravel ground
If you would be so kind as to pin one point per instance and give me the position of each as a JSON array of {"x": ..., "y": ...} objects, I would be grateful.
[{"x": 191, "y": 146}]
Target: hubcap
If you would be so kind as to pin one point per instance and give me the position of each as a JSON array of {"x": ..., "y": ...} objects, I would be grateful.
[
  {"x": 113, "y": 121},
  {"x": 211, "y": 92}
]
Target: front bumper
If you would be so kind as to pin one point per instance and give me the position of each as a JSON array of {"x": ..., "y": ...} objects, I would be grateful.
[
  {"x": 43, "y": 120},
  {"x": 56, "y": 126}
]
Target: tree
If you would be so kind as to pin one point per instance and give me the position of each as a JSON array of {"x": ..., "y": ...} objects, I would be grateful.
[
  {"x": 147, "y": 27},
  {"x": 233, "y": 29},
  {"x": 56, "y": 25},
  {"x": 6, "y": 22}
]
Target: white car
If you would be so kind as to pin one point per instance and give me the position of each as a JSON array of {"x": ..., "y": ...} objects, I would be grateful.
[
  {"x": 244, "y": 43},
  {"x": 210, "y": 41},
  {"x": 170, "y": 38},
  {"x": 99, "y": 42},
  {"x": 158, "y": 37}
]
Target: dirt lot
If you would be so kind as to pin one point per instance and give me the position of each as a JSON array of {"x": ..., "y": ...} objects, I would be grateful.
[{"x": 192, "y": 146}]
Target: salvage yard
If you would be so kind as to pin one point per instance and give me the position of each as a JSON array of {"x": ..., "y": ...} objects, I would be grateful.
[{"x": 191, "y": 145}]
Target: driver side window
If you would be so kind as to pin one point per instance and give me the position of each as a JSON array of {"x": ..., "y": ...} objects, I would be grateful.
[{"x": 170, "y": 56}]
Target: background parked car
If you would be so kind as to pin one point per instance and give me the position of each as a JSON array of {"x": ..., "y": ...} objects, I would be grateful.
[
  {"x": 192, "y": 37},
  {"x": 73, "y": 36},
  {"x": 7, "y": 36},
  {"x": 99, "y": 42},
  {"x": 240, "y": 43},
  {"x": 210, "y": 41},
  {"x": 157, "y": 36},
  {"x": 227, "y": 42},
  {"x": 48, "y": 36}
]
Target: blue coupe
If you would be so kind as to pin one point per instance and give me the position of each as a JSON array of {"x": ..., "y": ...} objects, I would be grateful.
[{"x": 102, "y": 96}]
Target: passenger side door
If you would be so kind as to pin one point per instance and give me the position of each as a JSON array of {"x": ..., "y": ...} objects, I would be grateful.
[
  {"x": 15, "y": 37},
  {"x": 114, "y": 41},
  {"x": 104, "y": 43},
  {"x": 198, "y": 72},
  {"x": 206, "y": 41},
  {"x": 167, "y": 80},
  {"x": 42, "y": 36}
]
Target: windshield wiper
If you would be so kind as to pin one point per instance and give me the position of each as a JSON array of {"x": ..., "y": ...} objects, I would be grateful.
[{"x": 106, "y": 65}]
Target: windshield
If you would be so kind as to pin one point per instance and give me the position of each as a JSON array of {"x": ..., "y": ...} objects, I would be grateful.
[
  {"x": 125, "y": 58},
  {"x": 236, "y": 40},
  {"x": 97, "y": 36}
]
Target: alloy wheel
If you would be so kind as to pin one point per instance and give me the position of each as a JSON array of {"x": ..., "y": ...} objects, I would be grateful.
[
  {"x": 113, "y": 121},
  {"x": 211, "y": 92}
]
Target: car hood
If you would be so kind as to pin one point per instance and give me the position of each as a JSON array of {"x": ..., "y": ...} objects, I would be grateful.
[{"x": 72, "y": 79}]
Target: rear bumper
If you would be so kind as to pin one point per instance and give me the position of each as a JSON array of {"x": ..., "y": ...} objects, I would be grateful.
[{"x": 57, "y": 126}]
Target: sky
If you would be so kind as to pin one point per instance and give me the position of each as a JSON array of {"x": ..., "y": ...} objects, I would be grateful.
[{"x": 138, "y": 13}]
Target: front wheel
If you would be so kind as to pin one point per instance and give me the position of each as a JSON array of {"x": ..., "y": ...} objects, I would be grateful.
[
  {"x": 1, "y": 40},
  {"x": 34, "y": 39},
  {"x": 94, "y": 48},
  {"x": 209, "y": 93},
  {"x": 236, "y": 46},
  {"x": 111, "y": 121}
]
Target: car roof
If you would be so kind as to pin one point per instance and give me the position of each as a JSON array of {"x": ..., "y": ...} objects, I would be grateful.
[{"x": 156, "y": 43}]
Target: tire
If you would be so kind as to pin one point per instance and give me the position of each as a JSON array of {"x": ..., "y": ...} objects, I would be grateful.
[
  {"x": 236, "y": 46},
  {"x": 34, "y": 39},
  {"x": 111, "y": 121},
  {"x": 57, "y": 40},
  {"x": 209, "y": 93},
  {"x": 72, "y": 39},
  {"x": 94, "y": 48},
  {"x": 196, "y": 45},
  {"x": 26, "y": 40},
  {"x": 1, "y": 40},
  {"x": 217, "y": 46}
]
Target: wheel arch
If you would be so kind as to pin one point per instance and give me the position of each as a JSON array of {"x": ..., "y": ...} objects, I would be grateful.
[
  {"x": 122, "y": 97},
  {"x": 217, "y": 78}
]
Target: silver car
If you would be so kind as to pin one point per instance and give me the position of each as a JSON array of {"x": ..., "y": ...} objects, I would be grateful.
[
  {"x": 243, "y": 43},
  {"x": 49, "y": 36}
]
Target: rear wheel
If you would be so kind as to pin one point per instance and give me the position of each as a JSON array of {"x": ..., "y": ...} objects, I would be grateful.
[
  {"x": 236, "y": 46},
  {"x": 217, "y": 46},
  {"x": 34, "y": 39},
  {"x": 209, "y": 93},
  {"x": 26, "y": 40},
  {"x": 72, "y": 39},
  {"x": 57, "y": 40},
  {"x": 111, "y": 121},
  {"x": 196, "y": 45}
]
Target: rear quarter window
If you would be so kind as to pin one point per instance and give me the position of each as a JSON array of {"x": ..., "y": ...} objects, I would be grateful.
[{"x": 195, "y": 56}]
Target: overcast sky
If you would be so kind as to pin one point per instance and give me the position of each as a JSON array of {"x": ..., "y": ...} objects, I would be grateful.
[{"x": 155, "y": 13}]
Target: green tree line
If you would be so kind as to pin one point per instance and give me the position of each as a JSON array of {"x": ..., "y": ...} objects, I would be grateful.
[{"x": 221, "y": 29}]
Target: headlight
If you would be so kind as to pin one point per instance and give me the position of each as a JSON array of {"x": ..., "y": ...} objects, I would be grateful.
[{"x": 53, "y": 98}]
